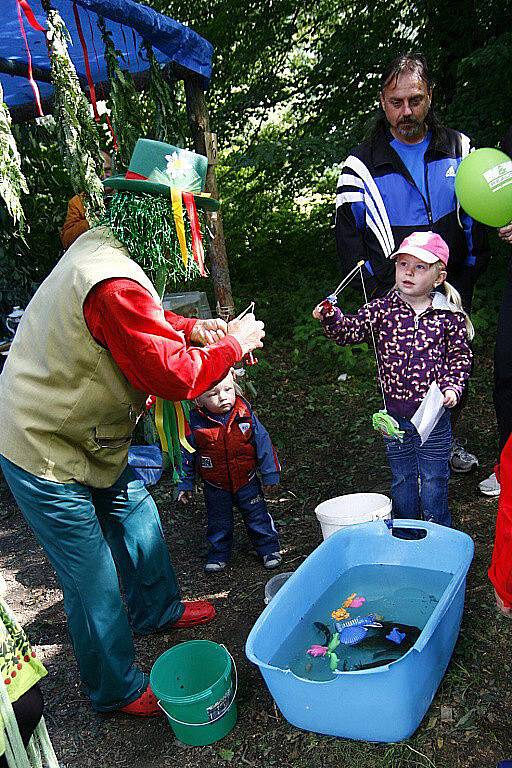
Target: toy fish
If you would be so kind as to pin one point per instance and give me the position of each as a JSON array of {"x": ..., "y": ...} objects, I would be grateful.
[
  {"x": 353, "y": 635},
  {"x": 396, "y": 636},
  {"x": 387, "y": 425},
  {"x": 340, "y": 614},
  {"x": 361, "y": 621},
  {"x": 349, "y": 599},
  {"x": 317, "y": 650}
]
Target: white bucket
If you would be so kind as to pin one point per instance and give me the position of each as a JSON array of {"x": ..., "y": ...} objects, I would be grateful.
[
  {"x": 351, "y": 509},
  {"x": 274, "y": 584}
]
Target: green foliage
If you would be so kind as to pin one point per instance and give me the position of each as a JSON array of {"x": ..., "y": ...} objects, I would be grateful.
[
  {"x": 479, "y": 97},
  {"x": 167, "y": 120},
  {"x": 77, "y": 132},
  {"x": 12, "y": 181},
  {"x": 124, "y": 101}
]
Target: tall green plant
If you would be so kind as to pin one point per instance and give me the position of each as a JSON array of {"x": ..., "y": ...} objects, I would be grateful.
[
  {"x": 12, "y": 181},
  {"x": 78, "y": 135},
  {"x": 167, "y": 123},
  {"x": 123, "y": 101}
]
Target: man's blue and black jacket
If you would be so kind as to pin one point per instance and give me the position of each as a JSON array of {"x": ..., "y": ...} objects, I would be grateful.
[{"x": 378, "y": 205}]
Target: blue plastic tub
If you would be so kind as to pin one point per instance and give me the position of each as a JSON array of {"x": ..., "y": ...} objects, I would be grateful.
[{"x": 386, "y": 703}]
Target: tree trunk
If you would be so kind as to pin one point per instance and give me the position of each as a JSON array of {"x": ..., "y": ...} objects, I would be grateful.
[{"x": 197, "y": 113}]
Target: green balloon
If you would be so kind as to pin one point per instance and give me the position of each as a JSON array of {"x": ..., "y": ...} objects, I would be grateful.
[{"x": 483, "y": 185}]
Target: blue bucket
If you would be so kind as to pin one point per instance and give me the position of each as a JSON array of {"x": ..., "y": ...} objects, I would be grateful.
[{"x": 388, "y": 702}]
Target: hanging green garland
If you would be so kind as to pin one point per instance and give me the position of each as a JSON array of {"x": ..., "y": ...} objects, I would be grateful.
[
  {"x": 123, "y": 101},
  {"x": 144, "y": 224},
  {"x": 166, "y": 123},
  {"x": 78, "y": 135},
  {"x": 12, "y": 181}
]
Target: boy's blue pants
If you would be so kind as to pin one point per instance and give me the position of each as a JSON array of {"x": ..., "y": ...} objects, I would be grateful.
[
  {"x": 258, "y": 521},
  {"x": 87, "y": 532}
]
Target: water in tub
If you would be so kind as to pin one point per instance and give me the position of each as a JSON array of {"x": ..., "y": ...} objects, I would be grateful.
[{"x": 400, "y": 596}]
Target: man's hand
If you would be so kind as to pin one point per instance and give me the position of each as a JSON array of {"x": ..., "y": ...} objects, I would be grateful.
[
  {"x": 502, "y": 607},
  {"x": 248, "y": 331},
  {"x": 208, "y": 331},
  {"x": 185, "y": 496},
  {"x": 450, "y": 398},
  {"x": 505, "y": 233}
]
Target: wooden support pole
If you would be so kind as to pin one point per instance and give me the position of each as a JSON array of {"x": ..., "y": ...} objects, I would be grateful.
[{"x": 197, "y": 113}]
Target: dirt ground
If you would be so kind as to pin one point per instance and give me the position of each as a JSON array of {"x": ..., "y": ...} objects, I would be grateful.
[{"x": 323, "y": 434}]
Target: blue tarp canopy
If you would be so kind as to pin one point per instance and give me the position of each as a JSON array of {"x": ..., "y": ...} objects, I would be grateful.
[{"x": 129, "y": 22}]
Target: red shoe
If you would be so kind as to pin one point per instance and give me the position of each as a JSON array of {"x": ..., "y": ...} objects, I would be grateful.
[
  {"x": 196, "y": 612},
  {"x": 145, "y": 706}
]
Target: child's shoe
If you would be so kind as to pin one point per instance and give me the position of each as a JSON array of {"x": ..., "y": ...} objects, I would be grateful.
[
  {"x": 271, "y": 561},
  {"x": 145, "y": 706},
  {"x": 215, "y": 567}
]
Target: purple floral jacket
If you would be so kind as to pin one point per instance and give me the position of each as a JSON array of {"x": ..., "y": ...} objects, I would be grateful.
[{"x": 414, "y": 350}]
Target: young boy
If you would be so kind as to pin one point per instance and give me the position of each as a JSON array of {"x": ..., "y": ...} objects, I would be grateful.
[{"x": 230, "y": 443}]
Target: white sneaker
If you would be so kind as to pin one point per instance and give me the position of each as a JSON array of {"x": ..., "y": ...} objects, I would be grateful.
[
  {"x": 460, "y": 459},
  {"x": 490, "y": 486}
]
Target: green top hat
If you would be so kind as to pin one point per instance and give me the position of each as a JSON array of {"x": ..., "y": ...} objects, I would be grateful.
[{"x": 155, "y": 167}]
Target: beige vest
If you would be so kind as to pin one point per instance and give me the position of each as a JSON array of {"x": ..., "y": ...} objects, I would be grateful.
[{"x": 66, "y": 411}]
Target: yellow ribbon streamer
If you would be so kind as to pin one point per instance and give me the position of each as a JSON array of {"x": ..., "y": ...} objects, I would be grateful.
[
  {"x": 159, "y": 421},
  {"x": 177, "y": 211},
  {"x": 180, "y": 417}
]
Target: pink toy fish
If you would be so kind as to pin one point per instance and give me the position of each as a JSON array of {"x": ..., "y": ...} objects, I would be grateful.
[
  {"x": 317, "y": 650},
  {"x": 357, "y": 602}
]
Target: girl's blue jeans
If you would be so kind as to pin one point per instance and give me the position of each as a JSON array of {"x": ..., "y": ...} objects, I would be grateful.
[
  {"x": 87, "y": 532},
  {"x": 419, "y": 486}
]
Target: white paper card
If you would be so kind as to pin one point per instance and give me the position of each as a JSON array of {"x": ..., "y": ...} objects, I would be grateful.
[{"x": 429, "y": 412}]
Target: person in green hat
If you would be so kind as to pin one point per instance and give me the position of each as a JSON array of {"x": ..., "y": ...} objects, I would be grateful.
[{"x": 93, "y": 343}]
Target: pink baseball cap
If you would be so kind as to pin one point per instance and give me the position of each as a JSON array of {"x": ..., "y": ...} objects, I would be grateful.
[{"x": 427, "y": 246}]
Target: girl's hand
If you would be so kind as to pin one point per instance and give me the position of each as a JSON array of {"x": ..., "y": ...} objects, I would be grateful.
[
  {"x": 185, "y": 496},
  {"x": 450, "y": 398},
  {"x": 317, "y": 314}
]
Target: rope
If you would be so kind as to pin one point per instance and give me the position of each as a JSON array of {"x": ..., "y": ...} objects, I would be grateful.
[{"x": 379, "y": 376}]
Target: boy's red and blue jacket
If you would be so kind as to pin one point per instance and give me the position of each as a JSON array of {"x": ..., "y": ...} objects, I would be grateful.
[{"x": 228, "y": 449}]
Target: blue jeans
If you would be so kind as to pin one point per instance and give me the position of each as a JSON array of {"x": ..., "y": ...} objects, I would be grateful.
[
  {"x": 87, "y": 532},
  {"x": 258, "y": 521},
  {"x": 419, "y": 486}
]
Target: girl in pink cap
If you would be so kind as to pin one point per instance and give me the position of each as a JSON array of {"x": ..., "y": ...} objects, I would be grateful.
[{"x": 421, "y": 337}]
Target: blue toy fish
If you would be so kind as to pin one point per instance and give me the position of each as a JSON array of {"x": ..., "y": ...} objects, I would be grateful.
[
  {"x": 395, "y": 636},
  {"x": 352, "y": 635},
  {"x": 362, "y": 621},
  {"x": 353, "y": 631}
]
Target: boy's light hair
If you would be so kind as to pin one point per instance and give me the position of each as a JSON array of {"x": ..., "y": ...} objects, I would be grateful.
[{"x": 238, "y": 389}]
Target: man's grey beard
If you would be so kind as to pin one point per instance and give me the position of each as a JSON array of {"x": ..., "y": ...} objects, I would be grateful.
[{"x": 411, "y": 129}]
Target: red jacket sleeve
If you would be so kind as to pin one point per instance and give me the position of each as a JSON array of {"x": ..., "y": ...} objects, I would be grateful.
[
  {"x": 180, "y": 323},
  {"x": 153, "y": 355}
]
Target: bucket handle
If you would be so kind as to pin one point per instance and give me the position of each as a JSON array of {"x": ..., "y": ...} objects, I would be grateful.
[
  {"x": 439, "y": 612},
  {"x": 210, "y": 722}
]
